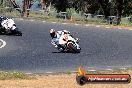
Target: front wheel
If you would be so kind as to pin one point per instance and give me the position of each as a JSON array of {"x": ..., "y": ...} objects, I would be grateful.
[{"x": 73, "y": 47}]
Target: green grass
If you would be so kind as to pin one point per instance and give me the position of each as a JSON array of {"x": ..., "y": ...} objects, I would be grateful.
[
  {"x": 13, "y": 75},
  {"x": 129, "y": 68}
]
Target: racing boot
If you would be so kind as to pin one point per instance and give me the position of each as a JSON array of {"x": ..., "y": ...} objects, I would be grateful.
[
  {"x": 61, "y": 48},
  {"x": 7, "y": 31}
]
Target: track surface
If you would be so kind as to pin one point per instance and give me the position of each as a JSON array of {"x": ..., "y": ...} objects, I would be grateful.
[{"x": 101, "y": 49}]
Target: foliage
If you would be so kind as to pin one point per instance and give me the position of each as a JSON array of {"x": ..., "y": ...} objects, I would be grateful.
[
  {"x": 127, "y": 8},
  {"x": 13, "y": 75},
  {"x": 60, "y": 5},
  {"x": 107, "y": 8}
]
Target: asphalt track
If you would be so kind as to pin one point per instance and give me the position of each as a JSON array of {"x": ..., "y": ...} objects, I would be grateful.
[{"x": 102, "y": 49}]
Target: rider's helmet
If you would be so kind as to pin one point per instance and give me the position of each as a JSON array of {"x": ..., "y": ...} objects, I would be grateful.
[
  {"x": 3, "y": 18},
  {"x": 52, "y": 33}
]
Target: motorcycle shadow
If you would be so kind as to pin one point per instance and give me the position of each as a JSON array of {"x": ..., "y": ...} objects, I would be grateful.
[
  {"x": 65, "y": 52},
  {"x": 10, "y": 34}
]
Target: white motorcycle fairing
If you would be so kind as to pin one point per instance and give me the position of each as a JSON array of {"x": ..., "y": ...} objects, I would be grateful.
[
  {"x": 9, "y": 28},
  {"x": 8, "y": 24},
  {"x": 64, "y": 39},
  {"x": 70, "y": 43}
]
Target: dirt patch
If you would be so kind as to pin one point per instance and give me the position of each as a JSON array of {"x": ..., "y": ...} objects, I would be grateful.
[
  {"x": 57, "y": 81},
  {"x": 123, "y": 27}
]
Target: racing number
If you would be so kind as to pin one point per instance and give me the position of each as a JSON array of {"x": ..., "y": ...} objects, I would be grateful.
[{"x": 65, "y": 37}]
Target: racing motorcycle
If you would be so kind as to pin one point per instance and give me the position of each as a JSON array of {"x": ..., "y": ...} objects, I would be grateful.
[
  {"x": 9, "y": 28},
  {"x": 69, "y": 44}
]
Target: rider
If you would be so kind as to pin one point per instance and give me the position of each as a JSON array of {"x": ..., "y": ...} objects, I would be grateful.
[
  {"x": 6, "y": 23},
  {"x": 2, "y": 19},
  {"x": 55, "y": 35}
]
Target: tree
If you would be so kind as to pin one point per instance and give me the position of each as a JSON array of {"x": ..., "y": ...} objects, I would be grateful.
[
  {"x": 127, "y": 8},
  {"x": 1, "y": 2},
  {"x": 104, "y": 4},
  {"x": 46, "y": 5},
  {"x": 119, "y": 8},
  {"x": 60, "y": 5},
  {"x": 43, "y": 4},
  {"x": 86, "y": 6},
  {"x": 25, "y": 11}
]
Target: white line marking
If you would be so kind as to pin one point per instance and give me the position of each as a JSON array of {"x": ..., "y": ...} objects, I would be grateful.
[
  {"x": 31, "y": 20},
  {"x": 115, "y": 66},
  {"x": 97, "y": 26},
  {"x": 49, "y": 72},
  {"x": 53, "y": 22},
  {"x": 4, "y": 43},
  {"x": 109, "y": 69},
  {"x": 29, "y": 73},
  {"x": 90, "y": 67},
  {"x": 122, "y": 68},
  {"x": 64, "y": 23},
  {"x": 76, "y": 24},
  {"x": 73, "y": 71},
  {"x": 43, "y": 21},
  {"x": 119, "y": 28},
  {"x": 21, "y": 19},
  {"x": 91, "y": 70},
  {"x": 107, "y": 27},
  {"x": 87, "y": 25}
]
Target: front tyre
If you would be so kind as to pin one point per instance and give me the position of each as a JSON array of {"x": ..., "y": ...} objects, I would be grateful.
[{"x": 73, "y": 47}]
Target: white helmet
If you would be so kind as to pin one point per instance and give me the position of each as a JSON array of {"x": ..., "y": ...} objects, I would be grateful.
[{"x": 52, "y": 33}]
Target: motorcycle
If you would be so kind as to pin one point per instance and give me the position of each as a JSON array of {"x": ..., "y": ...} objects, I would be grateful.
[
  {"x": 69, "y": 44},
  {"x": 10, "y": 28}
]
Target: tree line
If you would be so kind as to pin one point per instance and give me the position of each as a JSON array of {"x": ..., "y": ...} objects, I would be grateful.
[
  {"x": 103, "y": 7},
  {"x": 107, "y": 8}
]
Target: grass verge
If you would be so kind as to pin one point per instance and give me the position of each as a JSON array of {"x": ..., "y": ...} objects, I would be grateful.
[
  {"x": 13, "y": 75},
  {"x": 52, "y": 18}
]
